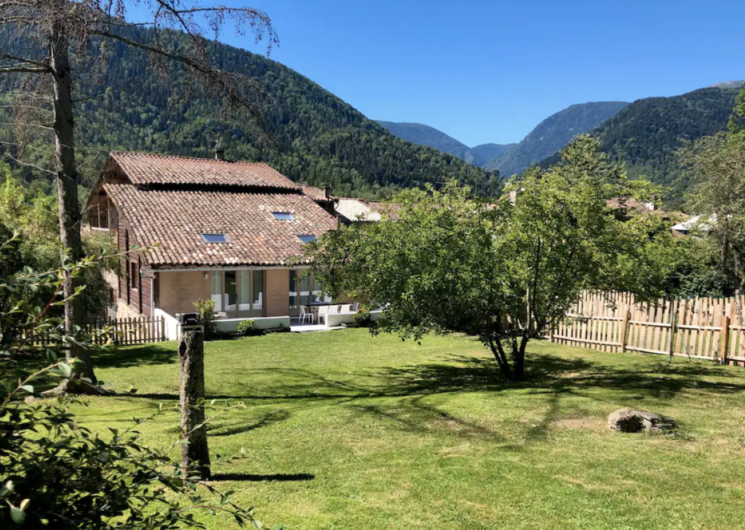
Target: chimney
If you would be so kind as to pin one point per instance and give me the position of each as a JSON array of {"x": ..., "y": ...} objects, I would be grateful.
[
  {"x": 219, "y": 151},
  {"x": 327, "y": 191}
]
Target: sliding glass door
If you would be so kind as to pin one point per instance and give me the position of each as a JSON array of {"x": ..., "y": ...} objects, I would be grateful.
[{"x": 238, "y": 293}]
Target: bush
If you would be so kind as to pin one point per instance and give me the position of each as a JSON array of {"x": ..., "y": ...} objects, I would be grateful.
[
  {"x": 206, "y": 310},
  {"x": 247, "y": 327},
  {"x": 362, "y": 318}
]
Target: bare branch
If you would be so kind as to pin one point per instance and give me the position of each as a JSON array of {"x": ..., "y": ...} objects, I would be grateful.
[
  {"x": 40, "y": 64},
  {"x": 24, "y": 69}
]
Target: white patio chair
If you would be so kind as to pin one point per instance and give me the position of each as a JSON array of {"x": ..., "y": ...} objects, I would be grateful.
[
  {"x": 356, "y": 307},
  {"x": 322, "y": 312},
  {"x": 305, "y": 314},
  {"x": 346, "y": 308}
]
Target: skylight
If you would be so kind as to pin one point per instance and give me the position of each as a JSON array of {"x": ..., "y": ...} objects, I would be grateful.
[
  {"x": 215, "y": 238},
  {"x": 283, "y": 216},
  {"x": 307, "y": 239}
]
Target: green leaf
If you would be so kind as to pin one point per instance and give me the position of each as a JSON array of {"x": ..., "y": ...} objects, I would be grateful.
[
  {"x": 103, "y": 456},
  {"x": 28, "y": 388},
  {"x": 66, "y": 369},
  {"x": 18, "y": 515}
]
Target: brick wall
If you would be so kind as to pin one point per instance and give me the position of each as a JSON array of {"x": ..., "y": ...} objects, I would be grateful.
[{"x": 179, "y": 290}]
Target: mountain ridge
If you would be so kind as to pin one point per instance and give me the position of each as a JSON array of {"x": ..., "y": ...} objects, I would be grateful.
[{"x": 553, "y": 133}]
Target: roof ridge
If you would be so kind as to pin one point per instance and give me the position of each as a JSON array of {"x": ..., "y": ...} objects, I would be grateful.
[{"x": 185, "y": 157}]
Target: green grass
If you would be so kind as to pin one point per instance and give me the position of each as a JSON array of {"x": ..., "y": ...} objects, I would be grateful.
[{"x": 345, "y": 431}]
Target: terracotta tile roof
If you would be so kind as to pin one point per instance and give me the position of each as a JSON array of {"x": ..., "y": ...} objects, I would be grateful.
[
  {"x": 317, "y": 194},
  {"x": 176, "y": 220},
  {"x": 144, "y": 168}
]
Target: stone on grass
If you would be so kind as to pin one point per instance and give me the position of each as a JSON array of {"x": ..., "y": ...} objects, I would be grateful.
[{"x": 629, "y": 420}]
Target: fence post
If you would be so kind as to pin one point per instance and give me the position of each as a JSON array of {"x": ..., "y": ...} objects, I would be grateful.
[
  {"x": 625, "y": 331},
  {"x": 724, "y": 339}
]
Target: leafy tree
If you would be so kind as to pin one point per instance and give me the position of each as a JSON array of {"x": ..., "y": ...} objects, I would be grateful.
[
  {"x": 507, "y": 271},
  {"x": 716, "y": 165},
  {"x": 55, "y": 31}
]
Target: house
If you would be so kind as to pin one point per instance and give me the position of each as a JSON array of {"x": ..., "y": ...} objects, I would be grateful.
[
  {"x": 232, "y": 232},
  {"x": 350, "y": 210},
  {"x": 697, "y": 223}
]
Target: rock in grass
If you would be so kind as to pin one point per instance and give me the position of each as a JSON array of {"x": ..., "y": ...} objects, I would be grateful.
[{"x": 629, "y": 420}]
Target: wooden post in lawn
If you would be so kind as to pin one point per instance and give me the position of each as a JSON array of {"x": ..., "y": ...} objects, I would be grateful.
[
  {"x": 724, "y": 339},
  {"x": 195, "y": 454}
]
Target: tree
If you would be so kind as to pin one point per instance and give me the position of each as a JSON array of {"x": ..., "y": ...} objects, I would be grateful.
[
  {"x": 506, "y": 272},
  {"x": 716, "y": 166},
  {"x": 61, "y": 30}
]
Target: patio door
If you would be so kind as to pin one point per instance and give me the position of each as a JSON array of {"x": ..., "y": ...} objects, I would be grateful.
[{"x": 239, "y": 293}]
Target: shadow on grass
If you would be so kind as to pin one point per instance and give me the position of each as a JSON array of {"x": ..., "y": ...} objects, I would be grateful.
[
  {"x": 147, "y": 354},
  {"x": 240, "y": 427},
  {"x": 277, "y": 477}
]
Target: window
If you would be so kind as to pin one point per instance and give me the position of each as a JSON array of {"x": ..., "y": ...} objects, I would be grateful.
[
  {"x": 307, "y": 239},
  {"x": 215, "y": 238},
  {"x": 305, "y": 288},
  {"x": 238, "y": 291},
  {"x": 283, "y": 216},
  {"x": 134, "y": 274},
  {"x": 258, "y": 290}
]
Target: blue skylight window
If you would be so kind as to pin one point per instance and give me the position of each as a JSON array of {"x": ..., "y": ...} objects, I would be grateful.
[
  {"x": 283, "y": 216},
  {"x": 307, "y": 239},
  {"x": 215, "y": 238}
]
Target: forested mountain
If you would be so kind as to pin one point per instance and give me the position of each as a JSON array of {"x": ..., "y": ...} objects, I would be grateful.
[
  {"x": 419, "y": 133},
  {"x": 321, "y": 139},
  {"x": 553, "y": 133},
  {"x": 486, "y": 152},
  {"x": 647, "y": 133}
]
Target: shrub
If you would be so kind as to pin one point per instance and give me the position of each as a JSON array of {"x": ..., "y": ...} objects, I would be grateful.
[
  {"x": 206, "y": 310},
  {"x": 247, "y": 327},
  {"x": 362, "y": 318}
]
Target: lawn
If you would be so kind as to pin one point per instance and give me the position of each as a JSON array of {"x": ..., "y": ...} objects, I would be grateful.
[{"x": 345, "y": 431}]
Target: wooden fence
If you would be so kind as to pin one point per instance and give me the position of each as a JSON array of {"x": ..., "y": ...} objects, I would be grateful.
[
  {"x": 122, "y": 331},
  {"x": 699, "y": 328}
]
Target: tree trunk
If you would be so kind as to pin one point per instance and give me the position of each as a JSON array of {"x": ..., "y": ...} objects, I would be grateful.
[
  {"x": 195, "y": 454},
  {"x": 518, "y": 358},
  {"x": 67, "y": 190}
]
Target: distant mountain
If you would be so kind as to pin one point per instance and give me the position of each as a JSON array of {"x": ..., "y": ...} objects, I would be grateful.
[
  {"x": 421, "y": 134},
  {"x": 553, "y": 133},
  {"x": 485, "y": 152},
  {"x": 728, "y": 84},
  {"x": 321, "y": 139},
  {"x": 647, "y": 133}
]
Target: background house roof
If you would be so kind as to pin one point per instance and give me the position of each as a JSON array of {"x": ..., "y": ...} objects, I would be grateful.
[
  {"x": 173, "y": 221},
  {"x": 360, "y": 210},
  {"x": 145, "y": 168},
  {"x": 316, "y": 194}
]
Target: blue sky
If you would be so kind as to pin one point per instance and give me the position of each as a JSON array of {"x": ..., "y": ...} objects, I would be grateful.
[{"x": 489, "y": 71}]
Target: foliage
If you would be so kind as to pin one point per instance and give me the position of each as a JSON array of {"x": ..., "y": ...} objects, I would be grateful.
[
  {"x": 32, "y": 215},
  {"x": 319, "y": 138},
  {"x": 553, "y": 133},
  {"x": 506, "y": 272},
  {"x": 57, "y": 474},
  {"x": 361, "y": 318},
  {"x": 206, "y": 310},
  {"x": 247, "y": 327},
  {"x": 716, "y": 166}
]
